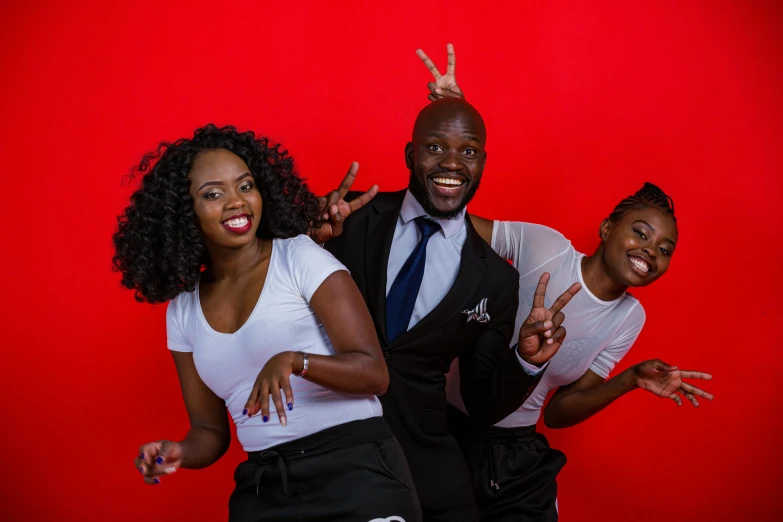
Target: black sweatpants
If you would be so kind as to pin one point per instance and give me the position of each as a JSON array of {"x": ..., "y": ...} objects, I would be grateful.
[
  {"x": 353, "y": 472},
  {"x": 513, "y": 470}
]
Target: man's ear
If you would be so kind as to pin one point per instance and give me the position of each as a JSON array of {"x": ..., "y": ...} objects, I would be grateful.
[{"x": 409, "y": 155}]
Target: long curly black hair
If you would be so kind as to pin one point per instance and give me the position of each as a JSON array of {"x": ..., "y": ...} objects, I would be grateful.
[{"x": 158, "y": 246}]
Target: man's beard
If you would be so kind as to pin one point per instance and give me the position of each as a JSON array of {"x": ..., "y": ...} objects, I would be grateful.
[{"x": 419, "y": 191}]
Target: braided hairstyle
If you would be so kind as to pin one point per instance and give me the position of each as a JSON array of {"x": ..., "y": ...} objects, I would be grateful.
[
  {"x": 647, "y": 196},
  {"x": 158, "y": 245}
]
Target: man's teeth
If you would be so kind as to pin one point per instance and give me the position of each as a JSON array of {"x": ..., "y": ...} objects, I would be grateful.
[
  {"x": 236, "y": 223},
  {"x": 448, "y": 181},
  {"x": 640, "y": 264}
]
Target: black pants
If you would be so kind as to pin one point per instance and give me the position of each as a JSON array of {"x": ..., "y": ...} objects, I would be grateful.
[
  {"x": 513, "y": 470},
  {"x": 353, "y": 472}
]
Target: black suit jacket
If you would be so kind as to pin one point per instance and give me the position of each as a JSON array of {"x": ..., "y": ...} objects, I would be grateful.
[{"x": 493, "y": 384}]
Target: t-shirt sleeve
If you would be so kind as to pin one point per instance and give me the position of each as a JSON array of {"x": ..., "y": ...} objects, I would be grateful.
[
  {"x": 527, "y": 245},
  {"x": 175, "y": 329},
  {"x": 310, "y": 265},
  {"x": 632, "y": 326}
]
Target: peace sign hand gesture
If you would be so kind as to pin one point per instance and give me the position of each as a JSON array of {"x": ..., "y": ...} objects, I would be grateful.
[
  {"x": 443, "y": 86},
  {"x": 335, "y": 209},
  {"x": 666, "y": 381},
  {"x": 541, "y": 334}
]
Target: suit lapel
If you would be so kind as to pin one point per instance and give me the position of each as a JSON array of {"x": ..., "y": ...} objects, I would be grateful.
[
  {"x": 380, "y": 233},
  {"x": 471, "y": 270}
]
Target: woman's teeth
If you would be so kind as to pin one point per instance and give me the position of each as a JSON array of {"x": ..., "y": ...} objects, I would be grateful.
[
  {"x": 236, "y": 223},
  {"x": 448, "y": 182},
  {"x": 640, "y": 264}
]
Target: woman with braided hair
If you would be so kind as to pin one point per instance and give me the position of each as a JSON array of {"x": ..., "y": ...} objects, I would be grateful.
[{"x": 513, "y": 468}]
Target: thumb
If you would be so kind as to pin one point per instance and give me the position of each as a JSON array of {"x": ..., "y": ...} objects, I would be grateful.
[
  {"x": 662, "y": 366},
  {"x": 169, "y": 452},
  {"x": 535, "y": 328}
]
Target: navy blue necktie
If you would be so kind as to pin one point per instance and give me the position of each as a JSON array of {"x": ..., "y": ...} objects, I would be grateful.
[{"x": 405, "y": 289}]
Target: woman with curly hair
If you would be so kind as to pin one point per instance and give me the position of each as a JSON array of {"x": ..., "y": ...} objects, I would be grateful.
[{"x": 257, "y": 309}]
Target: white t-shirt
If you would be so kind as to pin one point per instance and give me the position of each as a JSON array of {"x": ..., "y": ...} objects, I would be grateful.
[
  {"x": 598, "y": 333},
  {"x": 282, "y": 320}
]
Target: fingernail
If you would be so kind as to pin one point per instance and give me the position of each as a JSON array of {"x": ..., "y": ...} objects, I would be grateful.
[
  {"x": 548, "y": 333},
  {"x": 284, "y": 421},
  {"x": 549, "y": 341},
  {"x": 334, "y": 209},
  {"x": 156, "y": 481},
  {"x": 169, "y": 470},
  {"x": 290, "y": 406},
  {"x": 548, "y": 324},
  {"x": 244, "y": 412},
  {"x": 266, "y": 418},
  {"x": 141, "y": 470},
  {"x": 159, "y": 460}
]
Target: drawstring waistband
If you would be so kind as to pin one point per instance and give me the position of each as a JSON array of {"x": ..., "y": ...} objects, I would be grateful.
[
  {"x": 265, "y": 459},
  {"x": 341, "y": 436}
]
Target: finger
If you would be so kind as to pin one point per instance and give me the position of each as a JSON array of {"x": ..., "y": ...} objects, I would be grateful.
[
  {"x": 696, "y": 391},
  {"x": 433, "y": 88},
  {"x": 264, "y": 402},
  {"x": 362, "y": 200},
  {"x": 161, "y": 470},
  {"x": 336, "y": 219},
  {"x": 289, "y": 394},
  {"x": 549, "y": 348},
  {"x": 687, "y": 374},
  {"x": 428, "y": 63},
  {"x": 452, "y": 59},
  {"x": 432, "y": 98},
  {"x": 531, "y": 329},
  {"x": 690, "y": 397},
  {"x": 332, "y": 198},
  {"x": 277, "y": 399},
  {"x": 676, "y": 398},
  {"x": 148, "y": 453},
  {"x": 255, "y": 395},
  {"x": 558, "y": 337},
  {"x": 151, "y": 480},
  {"x": 538, "y": 297},
  {"x": 139, "y": 464},
  {"x": 348, "y": 180},
  {"x": 557, "y": 320},
  {"x": 561, "y": 301}
]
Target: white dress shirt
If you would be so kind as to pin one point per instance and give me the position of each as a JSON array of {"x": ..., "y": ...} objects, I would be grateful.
[{"x": 444, "y": 253}]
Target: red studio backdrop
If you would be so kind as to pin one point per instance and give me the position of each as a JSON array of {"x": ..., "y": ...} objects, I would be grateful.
[{"x": 584, "y": 101}]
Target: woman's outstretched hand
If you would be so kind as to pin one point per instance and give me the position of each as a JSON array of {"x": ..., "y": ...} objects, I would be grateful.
[{"x": 663, "y": 380}]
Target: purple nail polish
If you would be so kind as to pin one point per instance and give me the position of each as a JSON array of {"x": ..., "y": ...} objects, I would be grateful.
[
  {"x": 290, "y": 406},
  {"x": 156, "y": 481},
  {"x": 266, "y": 418},
  {"x": 159, "y": 460},
  {"x": 141, "y": 471},
  {"x": 244, "y": 412}
]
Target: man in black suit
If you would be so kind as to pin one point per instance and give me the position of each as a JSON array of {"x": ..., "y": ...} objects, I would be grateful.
[{"x": 437, "y": 291}]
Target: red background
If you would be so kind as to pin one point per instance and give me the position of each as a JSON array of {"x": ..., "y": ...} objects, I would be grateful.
[{"x": 583, "y": 101}]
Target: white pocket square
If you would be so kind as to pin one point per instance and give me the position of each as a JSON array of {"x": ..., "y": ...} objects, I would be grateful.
[{"x": 478, "y": 314}]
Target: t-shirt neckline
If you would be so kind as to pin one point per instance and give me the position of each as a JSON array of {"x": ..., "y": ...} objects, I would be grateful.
[{"x": 203, "y": 318}]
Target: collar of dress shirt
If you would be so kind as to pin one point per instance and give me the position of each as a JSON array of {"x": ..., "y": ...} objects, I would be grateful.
[{"x": 411, "y": 209}]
